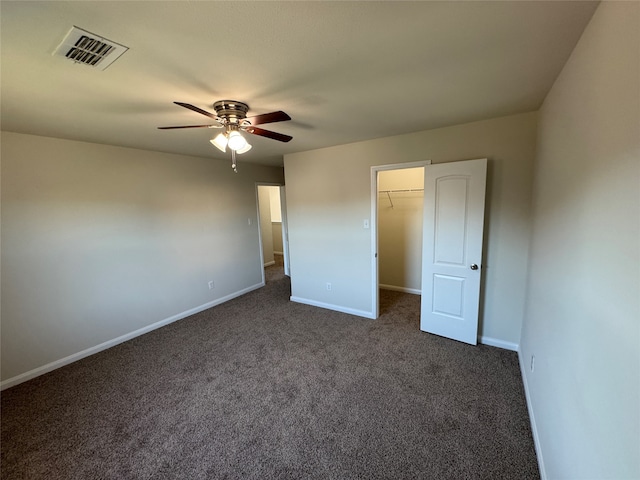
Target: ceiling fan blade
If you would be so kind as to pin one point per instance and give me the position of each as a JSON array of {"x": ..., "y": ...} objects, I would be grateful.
[
  {"x": 189, "y": 126},
  {"x": 272, "y": 117},
  {"x": 196, "y": 109},
  {"x": 269, "y": 134}
]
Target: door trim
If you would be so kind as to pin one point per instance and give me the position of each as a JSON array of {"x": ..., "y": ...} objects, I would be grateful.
[
  {"x": 375, "y": 290},
  {"x": 285, "y": 231}
]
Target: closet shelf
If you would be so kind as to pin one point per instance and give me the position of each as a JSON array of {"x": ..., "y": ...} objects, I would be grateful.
[{"x": 401, "y": 190}]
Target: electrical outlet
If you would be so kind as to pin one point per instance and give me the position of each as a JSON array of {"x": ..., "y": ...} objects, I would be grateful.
[
  {"x": 533, "y": 362},
  {"x": 329, "y": 286},
  {"x": 211, "y": 285}
]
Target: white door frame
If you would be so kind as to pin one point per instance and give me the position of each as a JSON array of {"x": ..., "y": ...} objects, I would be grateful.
[
  {"x": 375, "y": 289},
  {"x": 285, "y": 231},
  {"x": 262, "y": 184}
]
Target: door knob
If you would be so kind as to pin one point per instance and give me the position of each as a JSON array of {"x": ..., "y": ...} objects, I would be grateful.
[{"x": 474, "y": 266}]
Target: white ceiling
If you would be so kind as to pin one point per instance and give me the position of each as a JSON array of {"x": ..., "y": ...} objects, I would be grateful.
[{"x": 344, "y": 71}]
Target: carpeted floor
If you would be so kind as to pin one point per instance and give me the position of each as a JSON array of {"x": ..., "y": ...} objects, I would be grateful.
[{"x": 262, "y": 388}]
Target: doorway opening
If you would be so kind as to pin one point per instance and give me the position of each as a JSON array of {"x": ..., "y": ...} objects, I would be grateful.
[
  {"x": 272, "y": 227},
  {"x": 397, "y": 201}
]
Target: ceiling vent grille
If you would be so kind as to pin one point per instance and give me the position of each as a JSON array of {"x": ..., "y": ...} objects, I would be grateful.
[{"x": 87, "y": 48}]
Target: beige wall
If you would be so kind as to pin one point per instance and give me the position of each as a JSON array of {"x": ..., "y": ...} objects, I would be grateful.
[
  {"x": 276, "y": 219},
  {"x": 276, "y": 228},
  {"x": 329, "y": 196},
  {"x": 582, "y": 319},
  {"x": 99, "y": 242},
  {"x": 400, "y": 229},
  {"x": 276, "y": 209}
]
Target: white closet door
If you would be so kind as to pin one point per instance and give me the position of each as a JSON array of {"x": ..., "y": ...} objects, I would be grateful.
[{"x": 452, "y": 248}]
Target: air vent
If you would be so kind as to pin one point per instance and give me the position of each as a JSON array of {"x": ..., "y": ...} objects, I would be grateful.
[{"x": 87, "y": 48}]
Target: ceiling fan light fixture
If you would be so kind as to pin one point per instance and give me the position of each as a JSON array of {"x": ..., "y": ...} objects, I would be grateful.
[
  {"x": 246, "y": 148},
  {"x": 220, "y": 142},
  {"x": 236, "y": 141}
]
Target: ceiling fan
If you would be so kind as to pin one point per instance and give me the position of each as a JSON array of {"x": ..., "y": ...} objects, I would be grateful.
[{"x": 231, "y": 115}]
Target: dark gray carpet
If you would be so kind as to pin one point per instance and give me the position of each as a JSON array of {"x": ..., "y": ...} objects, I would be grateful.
[{"x": 263, "y": 388}]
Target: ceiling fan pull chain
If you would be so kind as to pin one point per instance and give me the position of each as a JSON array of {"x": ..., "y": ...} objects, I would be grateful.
[{"x": 233, "y": 161}]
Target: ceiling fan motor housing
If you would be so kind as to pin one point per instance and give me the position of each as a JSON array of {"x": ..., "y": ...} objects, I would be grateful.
[{"x": 231, "y": 110}]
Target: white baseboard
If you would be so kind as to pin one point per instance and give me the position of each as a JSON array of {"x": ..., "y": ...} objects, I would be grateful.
[
  {"x": 268, "y": 264},
  {"x": 532, "y": 418},
  {"x": 337, "y": 308},
  {"x": 494, "y": 342},
  {"x": 414, "y": 291},
  {"x": 36, "y": 372}
]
